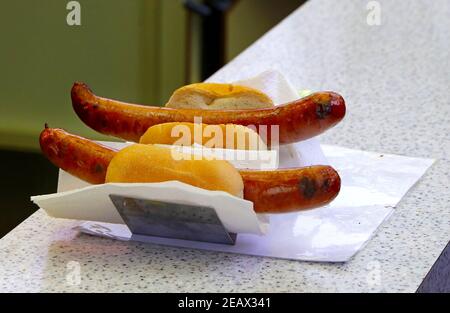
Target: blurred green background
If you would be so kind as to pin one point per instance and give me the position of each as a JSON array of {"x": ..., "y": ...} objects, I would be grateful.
[{"x": 133, "y": 50}]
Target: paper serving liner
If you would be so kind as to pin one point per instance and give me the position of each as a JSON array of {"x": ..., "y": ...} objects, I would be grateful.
[{"x": 92, "y": 203}]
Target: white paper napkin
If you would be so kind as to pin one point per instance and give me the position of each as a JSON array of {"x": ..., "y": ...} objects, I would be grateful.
[
  {"x": 280, "y": 90},
  {"x": 92, "y": 203}
]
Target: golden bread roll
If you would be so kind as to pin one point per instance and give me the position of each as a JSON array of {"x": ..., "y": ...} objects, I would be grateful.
[
  {"x": 210, "y": 136},
  {"x": 151, "y": 164},
  {"x": 215, "y": 96}
]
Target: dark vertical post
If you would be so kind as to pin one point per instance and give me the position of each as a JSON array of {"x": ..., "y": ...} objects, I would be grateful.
[
  {"x": 213, "y": 40},
  {"x": 213, "y": 43}
]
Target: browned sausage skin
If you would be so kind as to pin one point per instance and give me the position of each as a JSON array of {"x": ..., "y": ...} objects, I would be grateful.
[
  {"x": 277, "y": 191},
  {"x": 297, "y": 120},
  {"x": 289, "y": 190},
  {"x": 79, "y": 156}
]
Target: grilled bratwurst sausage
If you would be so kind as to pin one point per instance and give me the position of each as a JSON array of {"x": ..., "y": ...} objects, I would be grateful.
[
  {"x": 297, "y": 120},
  {"x": 276, "y": 191}
]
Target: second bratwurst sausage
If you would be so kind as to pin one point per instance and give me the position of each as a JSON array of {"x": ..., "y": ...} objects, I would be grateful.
[
  {"x": 297, "y": 120},
  {"x": 277, "y": 191}
]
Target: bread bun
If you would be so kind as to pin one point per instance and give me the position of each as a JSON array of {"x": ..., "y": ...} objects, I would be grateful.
[
  {"x": 151, "y": 164},
  {"x": 214, "y": 96},
  {"x": 210, "y": 136}
]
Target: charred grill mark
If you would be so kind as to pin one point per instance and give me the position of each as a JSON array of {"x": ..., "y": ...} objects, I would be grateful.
[
  {"x": 323, "y": 105},
  {"x": 98, "y": 168},
  {"x": 323, "y": 110},
  {"x": 326, "y": 184},
  {"x": 307, "y": 187}
]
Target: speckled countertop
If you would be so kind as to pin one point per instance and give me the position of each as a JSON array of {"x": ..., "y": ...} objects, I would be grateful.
[{"x": 395, "y": 78}]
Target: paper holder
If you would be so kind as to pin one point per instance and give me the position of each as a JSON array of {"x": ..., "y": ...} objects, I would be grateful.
[{"x": 152, "y": 218}]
